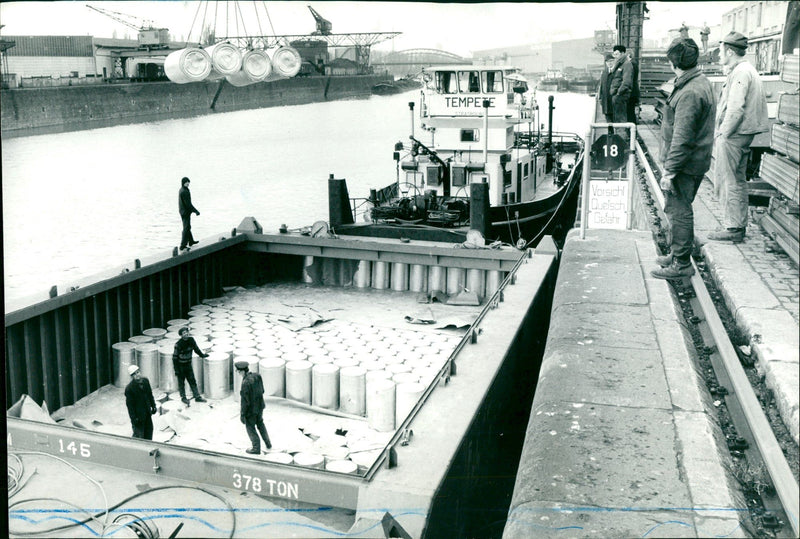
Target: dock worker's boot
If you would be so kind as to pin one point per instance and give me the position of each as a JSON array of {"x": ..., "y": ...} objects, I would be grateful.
[
  {"x": 665, "y": 260},
  {"x": 253, "y": 451},
  {"x": 676, "y": 270},
  {"x": 200, "y": 398},
  {"x": 733, "y": 235}
]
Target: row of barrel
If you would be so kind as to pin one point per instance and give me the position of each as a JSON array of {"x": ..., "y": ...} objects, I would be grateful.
[
  {"x": 238, "y": 67},
  {"x": 379, "y": 373},
  {"x": 400, "y": 276}
]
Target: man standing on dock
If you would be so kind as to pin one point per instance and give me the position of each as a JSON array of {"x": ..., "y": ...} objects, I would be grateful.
[
  {"x": 252, "y": 407},
  {"x": 687, "y": 137},
  {"x": 621, "y": 83},
  {"x": 141, "y": 405},
  {"x": 605, "y": 80},
  {"x": 186, "y": 209},
  {"x": 741, "y": 115},
  {"x": 182, "y": 362}
]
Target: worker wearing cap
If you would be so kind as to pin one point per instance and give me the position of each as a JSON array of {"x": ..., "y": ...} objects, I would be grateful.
[
  {"x": 687, "y": 136},
  {"x": 252, "y": 407},
  {"x": 603, "y": 93},
  {"x": 182, "y": 363},
  {"x": 141, "y": 405},
  {"x": 741, "y": 115}
]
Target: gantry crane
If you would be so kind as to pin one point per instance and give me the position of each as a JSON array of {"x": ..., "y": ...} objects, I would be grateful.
[
  {"x": 324, "y": 26},
  {"x": 149, "y": 36}
]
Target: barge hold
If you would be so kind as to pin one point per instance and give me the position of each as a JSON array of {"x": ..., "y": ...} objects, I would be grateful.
[{"x": 431, "y": 474}]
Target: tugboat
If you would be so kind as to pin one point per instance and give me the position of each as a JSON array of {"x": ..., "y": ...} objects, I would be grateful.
[
  {"x": 553, "y": 81},
  {"x": 480, "y": 163}
]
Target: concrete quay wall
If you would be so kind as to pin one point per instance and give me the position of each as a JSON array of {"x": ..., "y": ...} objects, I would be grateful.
[
  {"x": 35, "y": 111},
  {"x": 619, "y": 442}
]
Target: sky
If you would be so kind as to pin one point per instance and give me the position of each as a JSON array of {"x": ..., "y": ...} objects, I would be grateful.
[{"x": 455, "y": 27}]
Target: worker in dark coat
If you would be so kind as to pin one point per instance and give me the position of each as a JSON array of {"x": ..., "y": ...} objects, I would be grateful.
[
  {"x": 687, "y": 137},
  {"x": 252, "y": 407},
  {"x": 602, "y": 93},
  {"x": 140, "y": 403},
  {"x": 186, "y": 209},
  {"x": 182, "y": 363},
  {"x": 633, "y": 101},
  {"x": 621, "y": 84}
]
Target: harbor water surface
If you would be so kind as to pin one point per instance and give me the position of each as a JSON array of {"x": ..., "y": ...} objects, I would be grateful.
[{"x": 78, "y": 203}]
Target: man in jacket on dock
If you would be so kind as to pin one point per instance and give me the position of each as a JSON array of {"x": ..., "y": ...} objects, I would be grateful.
[
  {"x": 687, "y": 136},
  {"x": 603, "y": 91},
  {"x": 252, "y": 407},
  {"x": 182, "y": 362},
  {"x": 741, "y": 115},
  {"x": 621, "y": 83},
  {"x": 140, "y": 403},
  {"x": 185, "y": 208}
]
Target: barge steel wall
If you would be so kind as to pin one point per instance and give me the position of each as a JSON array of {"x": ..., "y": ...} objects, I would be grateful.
[{"x": 34, "y": 111}]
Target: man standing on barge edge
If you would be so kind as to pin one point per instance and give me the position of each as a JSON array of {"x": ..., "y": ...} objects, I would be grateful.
[
  {"x": 687, "y": 136},
  {"x": 186, "y": 209},
  {"x": 140, "y": 403}
]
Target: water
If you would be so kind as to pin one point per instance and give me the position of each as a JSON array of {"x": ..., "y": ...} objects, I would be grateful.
[{"x": 75, "y": 204}]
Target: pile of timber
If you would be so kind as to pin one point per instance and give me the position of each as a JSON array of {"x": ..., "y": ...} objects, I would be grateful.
[{"x": 781, "y": 167}]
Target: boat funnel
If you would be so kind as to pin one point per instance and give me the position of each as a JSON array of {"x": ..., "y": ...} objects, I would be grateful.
[
  {"x": 187, "y": 65},
  {"x": 226, "y": 59},
  {"x": 256, "y": 66}
]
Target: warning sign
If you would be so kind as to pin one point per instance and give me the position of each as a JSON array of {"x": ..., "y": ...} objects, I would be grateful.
[{"x": 608, "y": 204}]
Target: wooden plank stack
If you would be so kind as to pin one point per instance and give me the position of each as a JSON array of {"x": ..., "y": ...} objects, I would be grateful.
[{"x": 781, "y": 168}]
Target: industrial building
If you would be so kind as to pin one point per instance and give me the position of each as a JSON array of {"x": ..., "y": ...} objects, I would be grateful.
[{"x": 535, "y": 59}]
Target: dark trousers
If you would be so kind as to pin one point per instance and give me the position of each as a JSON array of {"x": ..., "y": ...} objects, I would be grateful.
[
  {"x": 186, "y": 374},
  {"x": 186, "y": 236},
  {"x": 619, "y": 105},
  {"x": 143, "y": 429},
  {"x": 253, "y": 423},
  {"x": 678, "y": 208}
]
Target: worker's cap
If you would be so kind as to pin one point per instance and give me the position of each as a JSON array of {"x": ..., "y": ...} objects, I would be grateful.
[
  {"x": 242, "y": 365},
  {"x": 132, "y": 369},
  {"x": 683, "y": 53},
  {"x": 735, "y": 39},
  {"x": 608, "y": 56},
  {"x": 183, "y": 330}
]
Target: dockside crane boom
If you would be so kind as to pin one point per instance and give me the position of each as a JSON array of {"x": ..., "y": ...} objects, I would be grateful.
[
  {"x": 149, "y": 36},
  {"x": 324, "y": 26}
]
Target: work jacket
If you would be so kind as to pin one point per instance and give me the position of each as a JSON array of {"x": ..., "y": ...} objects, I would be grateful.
[
  {"x": 182, "y": 353},
  {"x": 621, "y": 76},
  {"x": 251, "y": 397},
  {"x": 742, "y": 105},
  {"x": 139, "y": 400},
  {"x": 185, "y": 202},
  {"x": 687, "y": 127},
  {"x": 602, "y": 94}
]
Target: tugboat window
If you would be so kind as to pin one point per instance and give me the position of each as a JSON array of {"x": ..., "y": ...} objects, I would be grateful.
[
  {"x": 469, "y": 82},
  {"x": 446, "y": 82},
  {"x": 469, "y": 135},
  {"x": 493, "y": 82}
]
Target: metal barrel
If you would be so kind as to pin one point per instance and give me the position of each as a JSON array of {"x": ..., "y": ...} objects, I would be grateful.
[
  {"x": 406, "y": 397},
  {"x": 363, "y": 275},
  {"x": 178, "y": 322},
  {"x": 352, "y": 390},
  {"x": 493, "y": 280},
  {"x": 310, "y": 460},
  {"x": 476, "y": 282},
  {"x": 147, "y": 359},
  {"x": 418, "y": 278},
  {"x": 273, "y": 375},
  {"x": 217, "y": 375},
  {"x": 437, "y": 279},
  {"x": 298, "y": 381},
  {"x": 308, "y": 276},
  {"x": 380, "y": 402},
  {"x": 155, "y": 333},
  {"x": 456, "y": 280},
  {"x": 140, "y": 339},
  {"x": 380, "y": 275},
  {"x": 168, "y": 381},
  {"x": 122, "y": 356},
  {"x": 325, "y": 386},
  {"x": 280, "y": 458},
  {"x": 341, "y": 466},
  {"x": 399, "y": 277}
]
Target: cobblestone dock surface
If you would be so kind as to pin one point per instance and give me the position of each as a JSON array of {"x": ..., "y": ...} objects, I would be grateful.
[{"x": 620, "y": 441}]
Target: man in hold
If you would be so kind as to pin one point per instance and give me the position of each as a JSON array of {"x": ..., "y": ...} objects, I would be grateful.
[
  {"x": 687, "y": 136},
  {"x": 741, "y": 115},
  {"x": 182, "y": 362},
  {"x": 252, "y": 407},
  {"x": 186, "y": 209},
  {"x": 141, "y": 405}
]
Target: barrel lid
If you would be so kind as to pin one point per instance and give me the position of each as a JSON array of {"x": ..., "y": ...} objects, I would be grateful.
[
  {"x": 397, "y": 368},
  {"x": 353, "y": 371},
  {"x": 139, "y": 339},
  {"x": 125, "y": 345},
  {"x": 221, "y": 341},
  {"x": 223, "y": 348},
  {"x": 154, "y": 332},
  {"x": 308, "y": 459},
  {"x": 271, "y": 362},
  {"x": 341, "y": 466},
  {"x": 146, "y": 347},
  {"x": 405, "y": 378},
  {"x": 177, "y": 322},
  {"x": 346, "y": 362},
  {"x": 281, "y": 458},
  {"x": 200, "y": 307},
  {"x": 215, "y": 355},
  {"x": 325, "y": 368},
  {"x": 298, "y": 365},
  {"x": 294, "y": 355},
  {"x": 378, "y": 375}
]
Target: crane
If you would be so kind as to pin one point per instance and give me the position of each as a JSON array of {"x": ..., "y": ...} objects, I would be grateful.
[
  {"x": 149, "y": 36},
  {"x": 324, "y": 26}
]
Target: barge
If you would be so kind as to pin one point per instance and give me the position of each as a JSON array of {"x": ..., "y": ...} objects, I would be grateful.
[{"x": 446, "y": 466}]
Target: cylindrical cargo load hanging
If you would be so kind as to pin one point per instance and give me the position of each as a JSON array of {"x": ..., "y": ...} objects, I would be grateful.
[
  {"x": 226, "y": 59},
  {"x": 256, "y": 66},
  {"x": 168, "y": 380},
  {"x": 381, "y": 404},
  {"x": 123, "y": 356},
  {"x": 352, "y": 390},
  {"x": 187, "y": 65},
  {"x": 147, "y": 359},
  {"x": 286, "y": 63},
  {"x": 273, "y": 373},
  {"x": 298, "y": 381},
  {"x": 325, "y": 386},
  {"x": 216, "y": 375}
]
